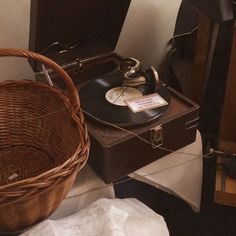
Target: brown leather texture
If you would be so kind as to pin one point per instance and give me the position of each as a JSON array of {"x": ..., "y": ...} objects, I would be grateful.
[
  {"x": 115, "y": 153},
  {"x": 90, "y": 27}
]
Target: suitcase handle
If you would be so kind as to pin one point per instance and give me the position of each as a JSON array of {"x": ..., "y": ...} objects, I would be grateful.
[{"x": 73, "y": 93}]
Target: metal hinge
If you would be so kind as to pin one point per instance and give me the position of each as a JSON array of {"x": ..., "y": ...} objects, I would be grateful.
[
  {"x": 156, "y": 136},
  {"x": 77, "y": 64}
]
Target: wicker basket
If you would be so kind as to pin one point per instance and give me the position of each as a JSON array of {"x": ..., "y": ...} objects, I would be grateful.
[{"x": 43, "y": 144}]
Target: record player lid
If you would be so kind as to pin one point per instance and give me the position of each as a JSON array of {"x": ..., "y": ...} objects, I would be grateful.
[{"x": 94, "y": 25}]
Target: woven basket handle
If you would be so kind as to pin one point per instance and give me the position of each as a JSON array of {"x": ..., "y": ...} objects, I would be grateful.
[{"x": 73, "y": 93}]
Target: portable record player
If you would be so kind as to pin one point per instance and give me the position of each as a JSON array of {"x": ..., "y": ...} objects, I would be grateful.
[{"x": 81, "y": 36}]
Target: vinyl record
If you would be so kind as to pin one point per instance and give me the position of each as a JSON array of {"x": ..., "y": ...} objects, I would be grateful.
[{"x": 101, "y": 101}]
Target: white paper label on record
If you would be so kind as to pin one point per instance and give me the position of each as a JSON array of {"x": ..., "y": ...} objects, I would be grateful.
[
  {"x": 146, "y": 102},
  {"x": 119, "y": 95}
]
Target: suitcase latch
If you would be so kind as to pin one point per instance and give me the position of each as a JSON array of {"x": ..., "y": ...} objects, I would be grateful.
[{"x": 156, "y": 137}]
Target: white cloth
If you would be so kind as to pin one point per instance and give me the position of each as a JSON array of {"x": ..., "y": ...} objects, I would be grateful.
[
  {"x": 178, "y": 173},
  {"x": 104, "y": 217},
  {"x": 87, "y": 188}
]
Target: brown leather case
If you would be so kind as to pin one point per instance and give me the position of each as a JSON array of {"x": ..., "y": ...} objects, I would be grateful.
[
  {"x": 114, "y": 153},
  {"x": 88, "y": 28}
]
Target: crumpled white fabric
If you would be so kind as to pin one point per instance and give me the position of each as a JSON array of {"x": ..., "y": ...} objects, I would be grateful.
[
  {"x": 106, "y": 217},
  {"x": 88, "y": 187}
]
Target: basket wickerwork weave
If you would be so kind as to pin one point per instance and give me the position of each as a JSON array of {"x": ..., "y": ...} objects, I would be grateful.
[{"x": 43, "y": 145}]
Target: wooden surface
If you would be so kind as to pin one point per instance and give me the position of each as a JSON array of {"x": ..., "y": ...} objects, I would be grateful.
[
  {"x": 225, "y": 189},
  {"x": 196, "y": 90},
  {"x": 227, "y": 135}
]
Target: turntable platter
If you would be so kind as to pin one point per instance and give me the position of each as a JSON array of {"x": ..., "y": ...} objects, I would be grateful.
[{"x": 104, "y": 99}]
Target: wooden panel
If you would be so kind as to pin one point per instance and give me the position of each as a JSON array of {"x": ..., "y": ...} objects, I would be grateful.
[
  {"x": 225, "y": 189},
  {"x": 227, "y": 135},
  {"x": 196, "y": 90},
  {"x": 76, "y": 21}
]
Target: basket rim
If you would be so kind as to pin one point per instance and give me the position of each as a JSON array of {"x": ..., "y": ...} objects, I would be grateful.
[
  {"x": 49, "y": 173},
  {"x": 13, "y": 197},
  {"x": 37, "y": 84},
  {"x": 22, "y": 53}
]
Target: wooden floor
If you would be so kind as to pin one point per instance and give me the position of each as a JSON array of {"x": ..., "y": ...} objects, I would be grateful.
[{"x": 212, "y": 220}]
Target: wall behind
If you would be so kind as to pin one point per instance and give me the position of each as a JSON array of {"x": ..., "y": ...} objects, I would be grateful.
[
  {"x": 148, "y": 27},
  {"x": 14, "y": 28}
]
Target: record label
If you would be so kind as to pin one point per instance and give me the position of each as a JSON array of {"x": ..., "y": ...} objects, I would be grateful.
[{"x": 119, "y": 95}]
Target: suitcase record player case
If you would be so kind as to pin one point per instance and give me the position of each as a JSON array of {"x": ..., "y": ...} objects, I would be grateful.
[{"x": 81, "y": 35}]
